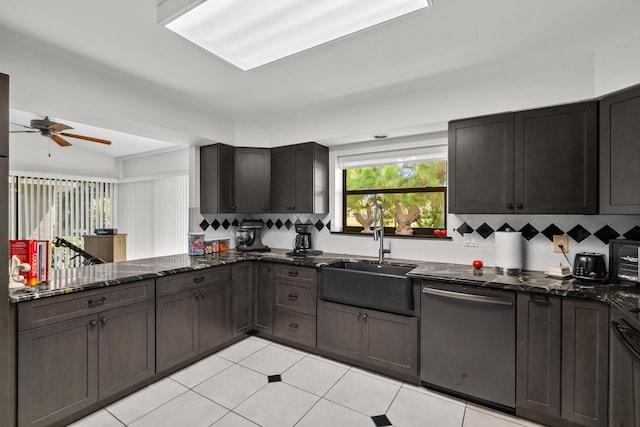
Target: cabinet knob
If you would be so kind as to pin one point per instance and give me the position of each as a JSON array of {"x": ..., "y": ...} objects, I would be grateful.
[
  {"x": 519, "y": 206},
  {"x": 202, "y": 294},
  {"x": 197, "y": 295},
  {"x": 364, "y": 316},
  {"x": 93, "y": 323},
  {"x": 358, "y": 315},
  {"x": 103, "y": 320},
  {"x": 509, "y": 205},
  {"x": 233, "y": 207}
]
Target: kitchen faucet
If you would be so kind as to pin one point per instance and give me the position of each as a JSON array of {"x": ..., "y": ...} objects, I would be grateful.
[{"x": 378, "y": 232}]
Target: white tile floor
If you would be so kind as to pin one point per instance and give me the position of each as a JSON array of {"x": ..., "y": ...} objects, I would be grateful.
[{"x": 233, "y": 388}]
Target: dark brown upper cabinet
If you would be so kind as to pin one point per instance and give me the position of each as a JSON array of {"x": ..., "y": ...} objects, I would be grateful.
[
  {"x": 619, "y": 152},
  {"x": 253, "y": 180},
  {"x": 542, "y": 161},
  {"x": 300, "y": 178},
  {"x": 217, "y": 192}
]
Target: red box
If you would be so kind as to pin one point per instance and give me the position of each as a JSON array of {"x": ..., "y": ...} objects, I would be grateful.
[{"x": 35, "y": 253}]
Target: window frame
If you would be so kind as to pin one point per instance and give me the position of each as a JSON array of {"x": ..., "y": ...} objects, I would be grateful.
[{"x": 417, "y": 232}]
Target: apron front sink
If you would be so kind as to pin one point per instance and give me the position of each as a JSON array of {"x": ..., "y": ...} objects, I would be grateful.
[{"x": 382, "y": 287}]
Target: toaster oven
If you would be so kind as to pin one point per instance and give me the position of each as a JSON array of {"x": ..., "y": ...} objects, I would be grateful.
[{"x": 623, "y": 260}]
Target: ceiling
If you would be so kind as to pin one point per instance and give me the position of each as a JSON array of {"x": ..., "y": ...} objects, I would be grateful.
[{"x": 109, "y": 64}]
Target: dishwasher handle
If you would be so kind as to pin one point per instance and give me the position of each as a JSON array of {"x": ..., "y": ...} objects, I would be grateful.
[
  {"x": 622, "y": 330},
  {"x": 467, "y": 297}
]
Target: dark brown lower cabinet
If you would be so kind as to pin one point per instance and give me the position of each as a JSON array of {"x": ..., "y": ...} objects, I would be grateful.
[
  {"x": 538, "y": 366},
  {"x": 381, "y": 339},
  {"x": 263, "y": 294},
  {"x": 562, "y": 362},
  {"x": 69, "y": 365},
  {"x": 243, "y": 279},
  {"x": 191, "y": 322},
  {"x": 624, "y": 372}
]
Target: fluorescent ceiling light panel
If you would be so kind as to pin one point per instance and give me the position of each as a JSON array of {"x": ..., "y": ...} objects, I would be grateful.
[{"x": 250, "y": 33}]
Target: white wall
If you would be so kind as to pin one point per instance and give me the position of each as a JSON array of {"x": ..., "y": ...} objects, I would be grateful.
[
  {"x": 618, "y": 65},
  {"x": 29, "y": 152},
  {"x": 171, "y": 162}
]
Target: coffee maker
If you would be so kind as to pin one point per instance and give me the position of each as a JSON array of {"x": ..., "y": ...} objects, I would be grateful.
[
  {"x": 302, "y": 244},
  {"x": 248, "y": 236}
]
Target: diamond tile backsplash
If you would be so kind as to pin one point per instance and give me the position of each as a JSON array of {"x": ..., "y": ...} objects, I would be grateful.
[{"x": 588, "y": 233}]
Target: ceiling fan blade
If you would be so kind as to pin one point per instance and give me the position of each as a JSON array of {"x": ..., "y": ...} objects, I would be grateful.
[
  {"x": 87, "y": 138},
  {"x": 24, "y": 131},
  {"x": 60, "y": 141},
  {"x": 22, "y": 126},
  {"x": 59, "y": 127}
]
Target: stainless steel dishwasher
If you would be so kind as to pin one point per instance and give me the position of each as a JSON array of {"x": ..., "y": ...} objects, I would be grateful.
[{"x": 468, "y": 342}]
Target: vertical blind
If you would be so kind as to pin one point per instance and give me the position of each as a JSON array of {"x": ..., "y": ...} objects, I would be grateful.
[
  {"x": 154, "y": 213},
  {"x": 44, "y": 208}
]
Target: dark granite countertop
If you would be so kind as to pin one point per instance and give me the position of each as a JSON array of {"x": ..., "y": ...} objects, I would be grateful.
[{"x": 626, "y": 297}]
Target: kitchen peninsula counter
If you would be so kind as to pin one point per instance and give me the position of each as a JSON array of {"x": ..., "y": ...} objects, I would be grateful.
[{"x": 79, "y": 279}]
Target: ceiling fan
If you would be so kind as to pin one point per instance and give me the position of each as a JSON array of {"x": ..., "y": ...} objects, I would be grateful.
[{"x": 53, "y": 130}]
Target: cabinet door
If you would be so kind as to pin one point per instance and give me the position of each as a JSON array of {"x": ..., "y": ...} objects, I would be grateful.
[
  {"x": 176, "y": 328},
  {"x": 282, "y": 184},
  {"x": 263, "y": 305},
  {"x": 127, "y": 347},
  {"x": 57, "y": 370},
  {"x": 390, "y": 341},
  {"x": 242, "y": 286},
  {"x": 556, "y": 160},
  {"x": 253, "y": 179},
  {"x": 624, "y": 384},
  {"x": 214, "y": 326},
  {"x": 481, "y": 165},
  {"x": 339, "y": 329},
  {"x": 619, "y": 151},
  {"x": 302, "y": 188},
  {"x": 585, "y": 343},
  {"x": 538, "y": 359},
  {"x": 217, "y": 192}
]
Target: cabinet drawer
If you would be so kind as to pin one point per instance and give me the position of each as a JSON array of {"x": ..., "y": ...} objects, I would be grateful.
[
  {"x": 296, "y": 327},
  {"x": 32, "y": 314},
  {"x": 295, "y": 297},
  {"x": 298, "y": 274},
  {"x": 185, "y": 281}
]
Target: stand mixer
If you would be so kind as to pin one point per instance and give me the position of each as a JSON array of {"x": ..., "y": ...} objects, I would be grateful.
[{"x": 248, "y": 236}]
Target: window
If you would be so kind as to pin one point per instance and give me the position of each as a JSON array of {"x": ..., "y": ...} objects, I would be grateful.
[
  {"x": 44, "y": 208},
  {"x": 409, "y": 186}
]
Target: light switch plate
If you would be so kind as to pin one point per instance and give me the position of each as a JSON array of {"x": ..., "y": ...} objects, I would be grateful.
[{"x": 471, "y": 239}]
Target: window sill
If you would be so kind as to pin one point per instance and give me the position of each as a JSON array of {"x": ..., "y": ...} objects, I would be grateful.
[{"x": 387, "y": 235}]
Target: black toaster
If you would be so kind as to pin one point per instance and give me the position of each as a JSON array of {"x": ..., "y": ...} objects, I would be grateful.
[{"x": 590, "y": 266}]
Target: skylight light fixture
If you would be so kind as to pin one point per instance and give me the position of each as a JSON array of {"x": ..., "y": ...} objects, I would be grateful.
[{"x": 251, "y": 33}]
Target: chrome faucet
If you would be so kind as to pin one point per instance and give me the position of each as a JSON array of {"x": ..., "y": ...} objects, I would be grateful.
[{"x": 378, "y": 232}]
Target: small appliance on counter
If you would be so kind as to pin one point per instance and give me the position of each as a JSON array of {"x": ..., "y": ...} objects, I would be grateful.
[
  {"x": 302, "y": 245},
  {"x": 624, "y": 256},
  {"x": 248, "y": 236},
  {"x": 590, "y": 266}
]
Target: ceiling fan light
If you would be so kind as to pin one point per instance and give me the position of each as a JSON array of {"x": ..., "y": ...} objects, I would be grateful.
[{"x": 251, "y": 33}]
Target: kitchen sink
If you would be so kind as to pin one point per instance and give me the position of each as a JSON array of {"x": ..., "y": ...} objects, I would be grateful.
[{"x": 379, "y": 286}]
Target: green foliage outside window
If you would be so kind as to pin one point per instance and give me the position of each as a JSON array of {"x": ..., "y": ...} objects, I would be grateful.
[{"x": 421, "y": 184}]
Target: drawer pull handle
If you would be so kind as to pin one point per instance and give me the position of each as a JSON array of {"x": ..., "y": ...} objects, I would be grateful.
[
  {"x": 293, "y": 297},
  {"x": 540, "y": 299},
  {"x": 97, "y": 302},
  {"x": 293, "y": 273},
  {"x": 294, "y": 325},
  {"x": 103, "y": 320},
  {"x": 198, "y": 279}
]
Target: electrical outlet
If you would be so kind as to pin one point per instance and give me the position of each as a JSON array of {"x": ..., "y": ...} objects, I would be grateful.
[{"x": 561, "y": 240}]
